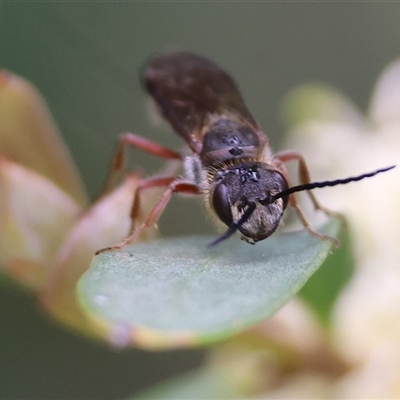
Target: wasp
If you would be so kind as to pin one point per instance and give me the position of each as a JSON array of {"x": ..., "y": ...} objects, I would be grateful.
[{"x": 231, "y": 164}]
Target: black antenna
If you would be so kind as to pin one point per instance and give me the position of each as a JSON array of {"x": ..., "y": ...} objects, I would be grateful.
[
  {"x": 235, "y": 225},
  {"x": 314, "y": 185}
]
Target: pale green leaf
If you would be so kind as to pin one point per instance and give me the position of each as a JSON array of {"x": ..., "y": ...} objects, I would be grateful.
[{"x": 177, "y": 292}]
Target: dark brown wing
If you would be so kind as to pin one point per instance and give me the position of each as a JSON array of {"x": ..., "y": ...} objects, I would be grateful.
[{"x": 189, "y": 89}]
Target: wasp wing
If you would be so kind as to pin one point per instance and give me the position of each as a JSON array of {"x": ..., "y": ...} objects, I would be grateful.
[{"x": 190, "y": 90}]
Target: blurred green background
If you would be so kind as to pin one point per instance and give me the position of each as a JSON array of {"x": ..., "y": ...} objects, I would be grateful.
[{"x": 85, "y": 58}]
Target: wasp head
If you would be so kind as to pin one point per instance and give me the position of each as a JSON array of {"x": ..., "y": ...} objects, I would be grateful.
[{"x": 242, "y": 196}]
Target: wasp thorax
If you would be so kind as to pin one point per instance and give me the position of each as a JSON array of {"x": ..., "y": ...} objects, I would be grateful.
[
  {"x": 245, "y": 186},
  {"x": 228, "y": 139}
]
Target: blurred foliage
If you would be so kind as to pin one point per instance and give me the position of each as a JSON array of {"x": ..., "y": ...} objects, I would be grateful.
[{"x": 324, "y": 287}]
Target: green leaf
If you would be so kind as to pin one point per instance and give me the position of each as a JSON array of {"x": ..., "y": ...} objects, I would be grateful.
[
  {"x": 204, "y": 384},
  {"x": 324, "y": 287},
  {"x": 179, "y": 293}
]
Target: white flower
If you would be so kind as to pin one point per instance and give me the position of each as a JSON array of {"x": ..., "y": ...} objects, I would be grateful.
[{"x": 338, "y": 142}]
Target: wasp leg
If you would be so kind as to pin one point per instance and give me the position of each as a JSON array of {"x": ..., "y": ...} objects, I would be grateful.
[
  {"x": 131, "y": 140},
  {"x": 304, "y": 178},
  {"x": 175, "y": 185}
]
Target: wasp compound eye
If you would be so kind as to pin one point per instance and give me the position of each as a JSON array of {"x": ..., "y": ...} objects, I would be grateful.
[
  {"x": 222, "y": 207},
  {"x": 283, "y": 185}
]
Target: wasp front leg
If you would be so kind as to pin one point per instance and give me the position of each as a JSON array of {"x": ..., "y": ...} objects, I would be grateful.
[
  {"x": 174, "y": 185},
  {"x": 305, "y": 178}
]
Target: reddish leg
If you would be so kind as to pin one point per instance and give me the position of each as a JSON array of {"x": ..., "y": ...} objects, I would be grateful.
[
  {"x": 136, "y": 141},
  {"x": 304, "y": 177},
  {"x": 175, "y": 185}
]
